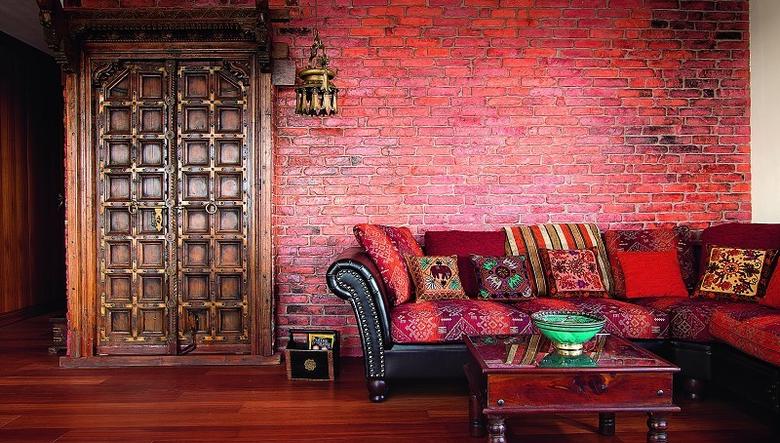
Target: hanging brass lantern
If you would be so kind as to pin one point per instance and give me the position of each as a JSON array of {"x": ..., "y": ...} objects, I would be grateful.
[{"x": 316, "y": 95}]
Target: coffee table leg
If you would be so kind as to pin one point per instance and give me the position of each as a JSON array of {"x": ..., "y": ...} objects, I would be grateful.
[
  {"x": 496, "y": 429},
  {"x": 476, "y": 417},
  {"x": 607, "y": 423},
  {"x": 656, "y": 428}
]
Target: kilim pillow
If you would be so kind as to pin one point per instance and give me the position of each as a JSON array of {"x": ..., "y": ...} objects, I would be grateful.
[
  {"x": 502, "y": 278},
  {"x": 387, "y": 246},
  {"x": 403, "y": 240},
  {"x": 572, "y": 273},
  {"x": 529, "y": 240},
  {"x": 435, "y": 277},
  {"x": 736, "y": 274}
]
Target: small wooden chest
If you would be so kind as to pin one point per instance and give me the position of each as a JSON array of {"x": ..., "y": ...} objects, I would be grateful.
[{"x": 304, "y": 363}]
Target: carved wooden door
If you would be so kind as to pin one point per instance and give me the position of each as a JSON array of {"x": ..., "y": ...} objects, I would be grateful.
[
  {"x": 134, "y": 136},
  {"x": 212, "y": 191},
  {"x": 173, "y": 176}
]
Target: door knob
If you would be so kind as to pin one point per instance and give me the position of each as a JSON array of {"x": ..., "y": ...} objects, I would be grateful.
[{"x": 211, "y": 207}]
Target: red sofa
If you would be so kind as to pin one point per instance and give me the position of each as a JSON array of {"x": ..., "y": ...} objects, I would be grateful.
[{"x": 708, "y": 339}]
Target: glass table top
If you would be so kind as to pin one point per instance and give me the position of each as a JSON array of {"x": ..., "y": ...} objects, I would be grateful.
[{"x": 536, "y": 351}]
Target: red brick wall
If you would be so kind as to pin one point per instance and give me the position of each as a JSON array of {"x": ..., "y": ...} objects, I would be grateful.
[
  {"x": 155, "y": 3},
  {"x": 474, "y": 114}
]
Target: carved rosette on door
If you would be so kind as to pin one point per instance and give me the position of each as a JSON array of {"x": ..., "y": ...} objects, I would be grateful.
[{"x": 173, "y": 190}]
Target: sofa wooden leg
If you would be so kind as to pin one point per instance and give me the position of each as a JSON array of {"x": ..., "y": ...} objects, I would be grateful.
[
  {"x": 377, "y": 390},
  {"x": 693, "y": 388}
]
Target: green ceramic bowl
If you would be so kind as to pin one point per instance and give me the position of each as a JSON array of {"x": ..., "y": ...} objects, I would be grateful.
[{"x": 568, "y": 330}]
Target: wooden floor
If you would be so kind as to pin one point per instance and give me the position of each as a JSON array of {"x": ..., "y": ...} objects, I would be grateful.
[{"x": 40, "y": 402}]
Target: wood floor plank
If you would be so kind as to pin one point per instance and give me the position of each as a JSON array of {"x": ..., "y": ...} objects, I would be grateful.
[{"x": 39, "y": 402}]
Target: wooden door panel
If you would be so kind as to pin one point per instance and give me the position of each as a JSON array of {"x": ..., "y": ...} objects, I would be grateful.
[
  {"x": 133, "y": 122},
  {"x": 214, "y": 199},
  {"x": 174, "y": 216}
]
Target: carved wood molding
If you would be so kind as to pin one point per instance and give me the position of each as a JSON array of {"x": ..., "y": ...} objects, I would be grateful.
[
  {"x": 55, "y": 32},
  {"x": 67, "y": 29},
  {"x": 239, "y": 70},
  {"x": 105, "y": 72}
]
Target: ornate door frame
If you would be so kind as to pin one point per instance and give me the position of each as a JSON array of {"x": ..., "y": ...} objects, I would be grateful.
[{"x": 81, "y": 40}]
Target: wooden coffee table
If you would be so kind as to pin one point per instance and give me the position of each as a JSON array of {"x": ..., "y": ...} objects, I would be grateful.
[{"x": 521, "y": 374}]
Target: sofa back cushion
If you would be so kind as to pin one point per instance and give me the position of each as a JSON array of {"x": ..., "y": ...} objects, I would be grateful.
[
  {"x": 464, "y": 244},
  {"x": 529, "y": 240}
]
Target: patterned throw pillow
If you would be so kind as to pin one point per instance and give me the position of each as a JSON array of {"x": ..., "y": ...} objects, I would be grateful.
[
  {"x": 403, "y": 240},
  {"x": 736, "y": 274},
  {"x": 502, "y": 278},
  {"x": 530, "y": 240},
  {"x": 384, "y": 245},
  {"x": 435, "y": 277},
  {"x": 572, "y": 273}
]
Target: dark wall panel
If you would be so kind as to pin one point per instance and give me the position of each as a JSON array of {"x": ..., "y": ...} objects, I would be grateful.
[{"x": 31, "y": 180}]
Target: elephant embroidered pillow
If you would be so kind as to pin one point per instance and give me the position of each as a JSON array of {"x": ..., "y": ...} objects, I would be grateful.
[
  {"x": 387, "y": 246},
  {"x": 736, "y": 274},
  {"x": 435, "y": 277},
  {"x": 572, "y": 273},
  {"x": 503, "y": 278}
]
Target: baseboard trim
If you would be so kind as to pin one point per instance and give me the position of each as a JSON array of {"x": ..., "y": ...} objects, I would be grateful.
[
  {"x": 7, "y": 318},
  {"x": 122, "y": 361}
]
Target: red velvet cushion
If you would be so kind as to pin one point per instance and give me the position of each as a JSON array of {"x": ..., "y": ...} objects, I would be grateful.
[
  {"x": 772, "y": 297},
  {"x": 464, "y": 244},
  {"x": 652, "y": 274}
]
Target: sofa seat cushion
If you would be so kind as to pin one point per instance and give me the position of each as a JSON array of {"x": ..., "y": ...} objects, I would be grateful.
[
  {"x": 439, "y": 321},
  {"x": 751, "y": 328},
  {"x": 623, "y": 318},
  {"x": 689, "y": 319},
  {"x": 627, "y": 319}
]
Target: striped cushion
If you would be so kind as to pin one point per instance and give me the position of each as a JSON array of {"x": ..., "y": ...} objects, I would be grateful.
[{"x": 528, "y": 240}]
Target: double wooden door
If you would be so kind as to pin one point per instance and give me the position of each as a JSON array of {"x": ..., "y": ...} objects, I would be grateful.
[{"x": 173, "y": 189}]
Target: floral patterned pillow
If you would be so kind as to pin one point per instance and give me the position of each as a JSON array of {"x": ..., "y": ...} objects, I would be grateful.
[
  {"x": 435, "y": 277},
  {"x": 572, "y": 273},
  {"x": 736, "y": 274},
  {"x": 503, "y": 278}
]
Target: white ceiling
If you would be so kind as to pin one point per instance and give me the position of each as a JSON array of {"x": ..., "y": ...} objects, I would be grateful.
[{"x": 19, "y": 19}]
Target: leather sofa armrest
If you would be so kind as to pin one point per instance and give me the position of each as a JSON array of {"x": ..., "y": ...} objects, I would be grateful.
[{"x": 354, "y": 277}]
